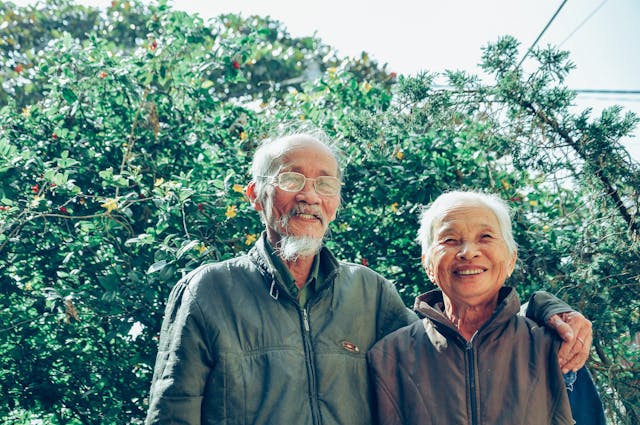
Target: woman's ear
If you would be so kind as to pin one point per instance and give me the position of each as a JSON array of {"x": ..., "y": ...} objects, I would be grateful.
[
  {"x": 428, "y": 268},
  {"x": 512, "y": 263},
  {"x": 253, "y": 196}
]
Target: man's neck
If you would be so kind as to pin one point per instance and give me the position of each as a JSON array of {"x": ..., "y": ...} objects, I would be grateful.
[{"x": 300, "y": 269}]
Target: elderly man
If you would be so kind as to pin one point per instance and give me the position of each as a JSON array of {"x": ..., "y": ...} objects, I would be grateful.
[{"x": 279, "y": 336}]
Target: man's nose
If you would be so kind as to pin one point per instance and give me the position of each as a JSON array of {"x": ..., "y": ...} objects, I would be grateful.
[{"x": 308, "y": 193}]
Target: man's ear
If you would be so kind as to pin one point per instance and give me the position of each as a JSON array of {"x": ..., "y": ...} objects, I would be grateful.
[{"x": 251, "y": 194}]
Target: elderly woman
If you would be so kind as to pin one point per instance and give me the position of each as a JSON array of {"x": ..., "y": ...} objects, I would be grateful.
[{"x": 471, "y": 359}]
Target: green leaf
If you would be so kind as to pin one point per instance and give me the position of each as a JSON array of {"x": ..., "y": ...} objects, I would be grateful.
[
  {"x": 186, "y": 247},
  {"x": 109, "y": 282},
  {"x": 69, "y": 95},
  {"x": 157, "y": 266}
]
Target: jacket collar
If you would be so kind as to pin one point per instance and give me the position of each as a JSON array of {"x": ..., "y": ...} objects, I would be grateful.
[
  {"x": 328, "y": 267},
  {"x": 431, "y": 305}
]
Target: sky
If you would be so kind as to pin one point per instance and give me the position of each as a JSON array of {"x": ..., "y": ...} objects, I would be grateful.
[{"x": 602, "y": 36}]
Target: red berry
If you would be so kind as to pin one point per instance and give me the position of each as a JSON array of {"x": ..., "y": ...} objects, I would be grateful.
[
  {"x": 19, "y": 68},
  {"x": 35, "y": 188},
  {"x": 236, "y": 65},
  {"x": 364, "y": 262},
  {"x": 63, "y": 210},
  {"x": 200, "y": 207}
]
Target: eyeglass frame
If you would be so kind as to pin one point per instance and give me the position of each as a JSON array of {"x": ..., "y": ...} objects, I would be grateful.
[{"x": 275, "y": 180}]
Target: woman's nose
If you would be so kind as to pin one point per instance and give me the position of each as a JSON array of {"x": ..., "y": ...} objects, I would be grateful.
[{"x": 468, "y": 250}]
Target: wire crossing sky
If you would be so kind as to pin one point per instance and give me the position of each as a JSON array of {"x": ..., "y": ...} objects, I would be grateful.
[{"x": 433, "y": 35}]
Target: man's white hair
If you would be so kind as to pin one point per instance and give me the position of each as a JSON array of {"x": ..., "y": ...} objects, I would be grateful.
[{"x": 268, "y": 159}]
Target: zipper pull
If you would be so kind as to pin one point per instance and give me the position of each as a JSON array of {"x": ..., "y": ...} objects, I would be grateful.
[
  {"x": 274, "y": 290},
  {"x": 305, "y": 319}
]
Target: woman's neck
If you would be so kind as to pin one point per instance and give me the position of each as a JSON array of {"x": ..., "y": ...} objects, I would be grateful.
[{"x": 468, "y": 318}]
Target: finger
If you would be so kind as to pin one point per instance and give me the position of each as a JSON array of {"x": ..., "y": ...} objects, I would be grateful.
[
  {"x": 567, "y": 354},
  {"x": 577, "y": 356},
  {"x": 580, "y": 325},
  {"x": 563, "y": 329},
  {"x": 575, "y": 362}
]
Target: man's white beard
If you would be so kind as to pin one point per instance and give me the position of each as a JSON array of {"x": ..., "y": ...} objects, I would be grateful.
[{"x": 290, "y": 248}]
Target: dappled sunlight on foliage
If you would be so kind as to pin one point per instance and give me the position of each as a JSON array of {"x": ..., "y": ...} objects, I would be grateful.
[{"x": 125, "y": 143}]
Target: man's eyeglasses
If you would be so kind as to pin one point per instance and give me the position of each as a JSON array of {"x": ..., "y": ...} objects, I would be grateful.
[{"x": 290, "y": 181}]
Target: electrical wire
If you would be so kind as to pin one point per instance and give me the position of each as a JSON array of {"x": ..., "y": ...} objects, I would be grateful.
[
  {"x": 542, "y": 32},
  {"x": 599, "y": 91},
  {"x": 583, "y": 22}
]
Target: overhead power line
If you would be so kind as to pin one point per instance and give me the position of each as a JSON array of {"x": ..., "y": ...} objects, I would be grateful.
[
  {"x": 593, "y": 91},
  {"x": 542, "y": 32},
  {"x": 583, "y": 22}
]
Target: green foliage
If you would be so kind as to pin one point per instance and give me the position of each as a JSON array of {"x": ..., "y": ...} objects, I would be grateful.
[{"x": 125, "y": 142}]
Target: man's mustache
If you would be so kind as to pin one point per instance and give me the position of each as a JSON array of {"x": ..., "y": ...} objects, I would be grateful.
[{"x": 313, "y": 210}]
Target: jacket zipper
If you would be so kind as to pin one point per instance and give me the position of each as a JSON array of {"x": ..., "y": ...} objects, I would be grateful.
[
  {"x": 311, "y": 369},
  {"x": 472, "y": 384}
]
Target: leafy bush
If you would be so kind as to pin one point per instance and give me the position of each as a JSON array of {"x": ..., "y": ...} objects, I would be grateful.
[{"x": 125, "y": 142}]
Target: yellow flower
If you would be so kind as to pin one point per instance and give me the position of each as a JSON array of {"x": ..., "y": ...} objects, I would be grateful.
[
  {"x": 394, "y": 207},
  {"x": 158, "y": 182},
  {"x": 505, "y": 184},
  {"x": 232, "y": 211},
  {"x": 366, "y": 87},
  {"x": 533, "y": 203},
  {"x": 36, "y": 201},
  {"x": 26, "y": 112},
  {"x": 202, "y": 248},
  {"x": 238, "y": 188},
  {"x": 400, "y": 155},
  {"x": 332, "y": 70},
  {"x": 110, "y": 205},
  {"x": 546, "y": 228},
  {"x": 251, "y": 238},
  {"x": 302, "y": 117},
  {"x": 244, "y": 135}
]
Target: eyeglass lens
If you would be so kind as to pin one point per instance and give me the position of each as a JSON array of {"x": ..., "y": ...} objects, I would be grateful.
[{"x": 294, "y": 182}]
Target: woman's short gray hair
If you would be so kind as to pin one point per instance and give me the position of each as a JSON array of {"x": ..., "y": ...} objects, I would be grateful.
[{"x": 430, "y": 216}]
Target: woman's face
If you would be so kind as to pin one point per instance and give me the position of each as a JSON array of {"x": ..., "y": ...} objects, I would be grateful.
[{"x": 469, "y": 259}]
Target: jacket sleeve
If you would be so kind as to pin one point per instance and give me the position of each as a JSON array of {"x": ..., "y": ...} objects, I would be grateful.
[
  {"x": 394, "y": 314},
  {"x": 384, "y": 406},
  {"x": 586, "y": 405},
  {"x": 542, "y": 305},
  {"x": 182, "y": 363}
]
